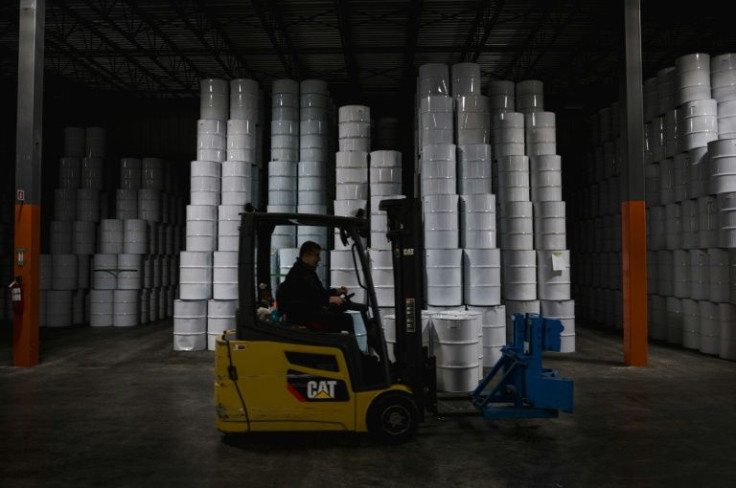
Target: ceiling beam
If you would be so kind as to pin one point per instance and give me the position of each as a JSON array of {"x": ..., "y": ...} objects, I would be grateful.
[
  {"x": 74, "y": 58},
  {"x": 559, "y": 28},
  {"x": 81, "y": 20},
  {"x": 486, "y": 17},
  {"x": 528, "y": 43},
  {"x": 175, "y": 51},
  {"x": 273, "y": 23},
  {"x": 131, "y": 38},
  {"x": 199, "y": 20},
  {"x": 344, "y": 20}
]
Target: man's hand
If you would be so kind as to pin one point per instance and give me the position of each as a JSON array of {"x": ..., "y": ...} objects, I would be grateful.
[
  {"x": 342, "y": 290},
  {"x": 335, "y": 300}
]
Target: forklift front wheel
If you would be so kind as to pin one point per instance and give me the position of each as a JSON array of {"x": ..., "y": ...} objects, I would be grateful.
[{"x": 392, "y": 418}]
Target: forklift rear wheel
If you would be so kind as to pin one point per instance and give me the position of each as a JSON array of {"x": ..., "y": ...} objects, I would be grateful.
[{"x": 392, "y": 418}]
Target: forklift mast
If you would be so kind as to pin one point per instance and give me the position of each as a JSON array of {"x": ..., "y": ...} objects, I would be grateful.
[{"x": 414, "y": 367}]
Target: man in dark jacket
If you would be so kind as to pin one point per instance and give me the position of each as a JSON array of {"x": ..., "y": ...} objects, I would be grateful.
[{"x": 303, "y": 299}]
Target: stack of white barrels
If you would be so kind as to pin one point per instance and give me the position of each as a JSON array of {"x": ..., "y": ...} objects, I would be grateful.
[
  {"x": 596, "y": 213},
  {"x": 690, "y": 110},
  {"x": 314, "y": 158},
  {"x": 222, "y": 182},
  {"x": 65, "y": 271},
  {"x": 283, "y": 167},
  {"x": 532, "y": 218},
  {"x": 462, "y": 261},
  {"x": 127, "y": 262},
  {"x": 351, "y": 198},
  {"x": 308, "y": 174},
  {"x": 385, "y": 182}
]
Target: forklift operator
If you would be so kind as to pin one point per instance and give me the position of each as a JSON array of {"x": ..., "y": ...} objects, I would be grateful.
[{"x": 302, "y": 298}]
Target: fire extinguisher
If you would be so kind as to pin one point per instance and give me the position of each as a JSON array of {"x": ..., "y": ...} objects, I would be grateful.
[{"x": 16, "y": 295}]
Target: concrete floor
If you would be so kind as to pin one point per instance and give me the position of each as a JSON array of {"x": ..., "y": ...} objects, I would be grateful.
[{"x": 118, "y": 408}]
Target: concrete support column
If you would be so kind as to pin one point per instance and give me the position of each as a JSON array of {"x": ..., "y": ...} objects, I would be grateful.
[
  {"x": 26, "y": 255},
  {"x": 633, "y": 205}
]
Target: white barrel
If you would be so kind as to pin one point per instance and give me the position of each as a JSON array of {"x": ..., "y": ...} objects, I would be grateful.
[
  {"x": 92, "y": 173},
  {"x": 673, "y": 309},
  {"x": 699, "y": 275},
  {"x": 135, "y": 236},
  {"x": 681, "y": 271},
  {"x": 111, "y": 236},
  {"x": 149, "y": 204},
  {"x": 214, "y": 101},
  {"x": 153, "y": 308},
  {"x": 444, "y": 277},
  {"x": 220, "y": 317},
  {"x": 144, "y": 303},
  {"x": 130, "y": 272},
  {"x": 692, "y": 77},
  {"x": 190, "y": 325},
  {"x": 690, "y": 324},
  {"x": 163, "y": 306},
  {"x": 709, "y": 327},
  {"x": 70, "y": 172},
  {"x": 45, "y": 271},
  {"x": 482, "y": 277},
  {"x": 65, "y": 201},
  {"x": 456, "y": 345},
  {"x": 88, "y": 205},
  {"x": 708, "y": 227},
  {"x": 673, "y": 226},
  {"x": 84, "y": 237},
  {"x": 719, "y": 275},
  {"x": 125, "y": 308},
  {"x": 529, "y": 96},
  {"x": 104, "y": 271},
  {"x": 727, "y": 330},
  {"x": 195, "y": 275},
  {"x": 131, "y": 173},
  {"x": 64, "y": 272},
  {"x": 153, "y": 173},
  {"x": 126, "y": 204},
  {"x": 201, "y": 228},
  {"x": 225, "y": 275},
  {"x": 519, "y": 275},
  {"x": 84, "y": 264},
  {"x": 101, "y": 308}
]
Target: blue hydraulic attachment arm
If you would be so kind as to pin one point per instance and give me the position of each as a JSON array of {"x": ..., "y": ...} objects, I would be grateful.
[{"x": 524, "y": 389}]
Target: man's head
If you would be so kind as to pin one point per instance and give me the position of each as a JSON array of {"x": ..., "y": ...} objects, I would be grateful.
[{"x": 309, "y": 253}]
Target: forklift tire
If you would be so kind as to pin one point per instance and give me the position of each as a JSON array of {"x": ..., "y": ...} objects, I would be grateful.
[{"x": 392, "y": 418}]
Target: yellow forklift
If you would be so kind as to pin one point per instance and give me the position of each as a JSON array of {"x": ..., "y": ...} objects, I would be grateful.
[
  {"x": 271, "y": 375},
  {"x": 276, "y": 376}
]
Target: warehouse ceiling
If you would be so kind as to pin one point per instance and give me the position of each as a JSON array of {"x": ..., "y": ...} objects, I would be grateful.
[{"x": 365, "y": 49}]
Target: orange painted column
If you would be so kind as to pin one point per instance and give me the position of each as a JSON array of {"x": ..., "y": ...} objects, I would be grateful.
[
  {"x": 634, "y": 260},
  {"x": 26, "y": 266}
]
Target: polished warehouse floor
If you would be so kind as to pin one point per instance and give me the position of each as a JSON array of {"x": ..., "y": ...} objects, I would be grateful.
[{"x": 118, "y": 408}]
